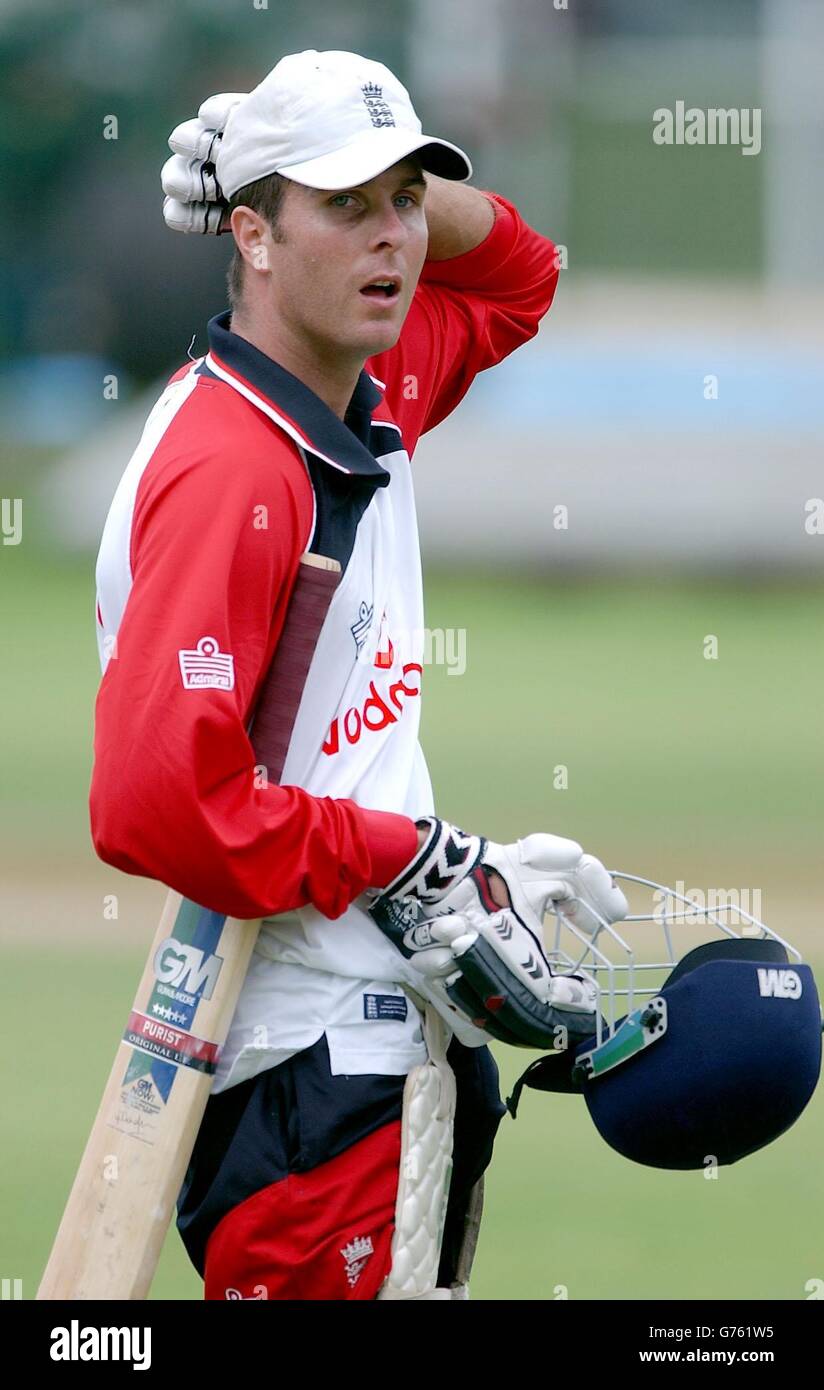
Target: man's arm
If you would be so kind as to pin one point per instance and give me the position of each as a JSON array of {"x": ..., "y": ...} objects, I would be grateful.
[
  {"x": 459, "y": 218},
  {"x": 470, "y": 310},
  {"x": 174, "y": 793}
]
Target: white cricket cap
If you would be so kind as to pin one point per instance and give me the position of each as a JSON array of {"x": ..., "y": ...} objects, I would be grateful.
[{"x": 328, "y": 120}]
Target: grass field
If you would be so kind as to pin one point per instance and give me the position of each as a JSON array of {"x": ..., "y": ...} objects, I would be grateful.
[{"x": 704, "y": 770}]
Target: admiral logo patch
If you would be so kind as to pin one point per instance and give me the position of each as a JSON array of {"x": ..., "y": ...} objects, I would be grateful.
[{"x": 207, "y": 667}]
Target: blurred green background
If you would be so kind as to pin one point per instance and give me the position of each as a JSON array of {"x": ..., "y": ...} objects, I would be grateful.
[{"x": 584, "y": 650}]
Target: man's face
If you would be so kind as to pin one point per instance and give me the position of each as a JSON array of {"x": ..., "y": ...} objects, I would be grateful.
[{"x": 335, "y": 245}]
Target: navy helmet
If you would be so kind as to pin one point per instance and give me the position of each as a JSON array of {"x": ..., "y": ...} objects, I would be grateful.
[{"x": 716, "y": 1053}]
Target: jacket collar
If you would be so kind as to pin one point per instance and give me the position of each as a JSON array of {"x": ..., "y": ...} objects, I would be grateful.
[{"x": 292, "y": 405}]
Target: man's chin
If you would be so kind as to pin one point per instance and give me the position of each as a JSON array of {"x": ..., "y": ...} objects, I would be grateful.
[{"x": 379, "y": 338}]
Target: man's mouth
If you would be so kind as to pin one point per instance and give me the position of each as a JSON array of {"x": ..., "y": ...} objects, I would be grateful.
[{"x": 385, "y": 289}]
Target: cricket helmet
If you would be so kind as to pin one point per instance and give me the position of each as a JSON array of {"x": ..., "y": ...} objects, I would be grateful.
[{"x": 699, "y": 1057}]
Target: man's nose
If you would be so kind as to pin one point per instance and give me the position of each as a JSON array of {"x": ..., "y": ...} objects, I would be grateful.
[{"x": 390, "y": 228}]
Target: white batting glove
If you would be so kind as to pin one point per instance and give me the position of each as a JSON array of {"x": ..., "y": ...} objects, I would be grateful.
[
  {"x": 542, "y": 871},
  {"x": 490, "y": 962},
  {"x": 194, "y": 201},
  {"x": 491, "y": 968},
  {"x": 436, "y": 945},
  {"x": 448, "y": 874}
]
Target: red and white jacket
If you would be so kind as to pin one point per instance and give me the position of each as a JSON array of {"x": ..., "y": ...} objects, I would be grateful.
[{"x": 240, "y": 469}]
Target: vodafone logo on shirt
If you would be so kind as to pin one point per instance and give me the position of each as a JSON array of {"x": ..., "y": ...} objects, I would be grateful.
[{"x": 378, "y": 711}]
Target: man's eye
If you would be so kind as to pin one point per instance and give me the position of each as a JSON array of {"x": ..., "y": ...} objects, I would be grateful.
[{"x": 343, "y": 199}]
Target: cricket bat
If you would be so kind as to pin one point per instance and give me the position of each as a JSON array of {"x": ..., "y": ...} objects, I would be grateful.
[{"x": 121, "y": 1204}]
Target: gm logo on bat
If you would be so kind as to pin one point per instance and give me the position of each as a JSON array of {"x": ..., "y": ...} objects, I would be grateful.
[{"x": 186, "y": 967}]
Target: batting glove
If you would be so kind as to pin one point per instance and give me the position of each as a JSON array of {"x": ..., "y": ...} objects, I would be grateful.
[
  {"x": 487, "y": 960},
  {"x": 194, "y": 201},
  {"x": 449, "y": 871}
]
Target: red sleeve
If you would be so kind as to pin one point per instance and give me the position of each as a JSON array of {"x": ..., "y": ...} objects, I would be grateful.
[
  {"x": 172, "y": 793},
  {"x": 467, "y": 314}
]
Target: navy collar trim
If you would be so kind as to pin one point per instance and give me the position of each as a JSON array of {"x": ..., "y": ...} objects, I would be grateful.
[{"x": 288, "y": 401}]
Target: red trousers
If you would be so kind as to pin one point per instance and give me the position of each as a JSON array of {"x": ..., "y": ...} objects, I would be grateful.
[
  {"x": 325, "y": 1234},
  {"x": 291, "y": 1189}
]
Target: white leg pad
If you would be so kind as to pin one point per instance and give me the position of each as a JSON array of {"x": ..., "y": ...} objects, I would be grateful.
[{"x": 425, "y": 1170}]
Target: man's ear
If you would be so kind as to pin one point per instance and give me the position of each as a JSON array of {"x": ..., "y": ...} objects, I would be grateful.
[{"x": 252, "y": 235}]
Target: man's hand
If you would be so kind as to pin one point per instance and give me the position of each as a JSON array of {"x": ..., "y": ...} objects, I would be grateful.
[
  {"x": 194, "y": 200},
  {"x": 468, "y": 914},
  {"x": 453, "y": 868},
  {"x": 498, "y": 889},
  {"x": 492, "y": 969},
  {"x": 497, "y": 886}
]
